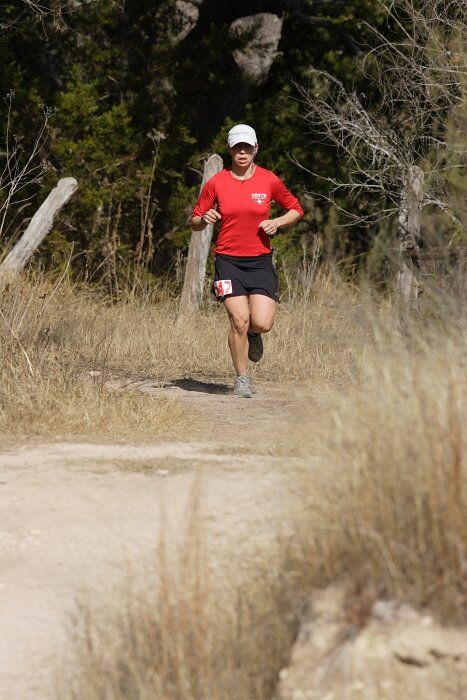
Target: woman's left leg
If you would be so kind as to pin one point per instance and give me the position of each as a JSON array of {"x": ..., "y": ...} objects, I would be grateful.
[{"x": 262, "y": 313}]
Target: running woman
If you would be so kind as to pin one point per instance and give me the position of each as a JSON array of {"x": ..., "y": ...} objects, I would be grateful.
[{"x": 245, "y": 280}]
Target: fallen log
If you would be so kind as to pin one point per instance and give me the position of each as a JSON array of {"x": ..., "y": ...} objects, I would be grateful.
[{"x": 38, "y": 228}]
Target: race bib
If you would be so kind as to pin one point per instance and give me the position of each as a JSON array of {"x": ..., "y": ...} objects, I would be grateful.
[{"x": 223, "y": 287}]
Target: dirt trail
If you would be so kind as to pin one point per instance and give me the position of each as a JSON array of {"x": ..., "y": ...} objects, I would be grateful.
[{"x": 74, "y": 515}]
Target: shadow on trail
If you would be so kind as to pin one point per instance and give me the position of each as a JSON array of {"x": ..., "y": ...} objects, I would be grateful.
[{"x": 203, "y": 387}]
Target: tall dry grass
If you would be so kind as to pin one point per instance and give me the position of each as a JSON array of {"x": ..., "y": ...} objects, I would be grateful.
[
  {"x": 53, "y": 335},
  {"x": 384, "y": 499},
  {"x": 182, "y": 627},
  {"x": 379, "y": 422}
]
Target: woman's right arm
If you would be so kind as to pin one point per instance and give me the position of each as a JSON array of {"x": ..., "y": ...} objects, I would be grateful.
[
  {"x": 204, "y": 212},
  {"x": 198, "y": 223}
]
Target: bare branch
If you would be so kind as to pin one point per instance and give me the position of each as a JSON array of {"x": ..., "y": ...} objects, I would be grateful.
[
  {"x": 16, "y": 13},
  {"x": 420, "y": 80},
  {"x": 20, "y": 170}
]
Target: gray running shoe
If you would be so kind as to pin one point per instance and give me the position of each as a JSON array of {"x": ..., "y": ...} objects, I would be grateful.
[
  {"x": 243, "y": 388},
  {"x": 255, "y": 346}
]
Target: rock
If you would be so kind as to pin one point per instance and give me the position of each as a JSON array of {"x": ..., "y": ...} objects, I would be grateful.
[
  {"x": 384, "y": 610},
  {"x": 398, "y": 654},
  {"x": 176, "y": 20},
  {"x": 258, "y": 36},
  {"x": 416, "y": 645}
]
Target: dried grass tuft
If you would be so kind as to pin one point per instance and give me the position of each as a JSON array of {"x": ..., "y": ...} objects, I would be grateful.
[
  {"x": 182, "y": 629},
  {"x": 385, "y": 494}
]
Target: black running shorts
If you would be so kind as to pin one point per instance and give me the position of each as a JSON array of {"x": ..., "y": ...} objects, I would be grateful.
[{"x": 237, "y": 276}]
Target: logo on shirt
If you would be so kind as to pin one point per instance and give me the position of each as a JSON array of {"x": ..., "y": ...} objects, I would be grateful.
[{"x": 259, "y": 197}]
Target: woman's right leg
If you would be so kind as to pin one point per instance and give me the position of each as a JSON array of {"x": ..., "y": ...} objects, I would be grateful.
[{"x": 238, "y": 310}]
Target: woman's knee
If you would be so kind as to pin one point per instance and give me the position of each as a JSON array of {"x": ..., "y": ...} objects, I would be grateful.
[
  {"x": 239, "y": 323},
  {"x": 264, "y": 326}
]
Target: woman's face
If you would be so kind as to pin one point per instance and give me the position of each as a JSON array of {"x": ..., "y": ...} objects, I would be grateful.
[{"x": 243, "y": 154}]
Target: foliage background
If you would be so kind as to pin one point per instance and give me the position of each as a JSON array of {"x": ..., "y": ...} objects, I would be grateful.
[{"x": 128, "y": 101}]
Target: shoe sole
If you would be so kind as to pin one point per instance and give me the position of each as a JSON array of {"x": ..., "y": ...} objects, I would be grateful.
[
  {"x": 255, "y": 359},
  {"x": 244, "y": 395},
  {"x": 250, "y": 354}
]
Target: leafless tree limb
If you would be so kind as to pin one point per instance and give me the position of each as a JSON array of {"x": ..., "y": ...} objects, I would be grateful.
[
  {"x": 20, "y": 169},
  {"x": 419, "y": 82},
  {"x": 394, "y": 146},
  {"x": 15, "y": 13}
]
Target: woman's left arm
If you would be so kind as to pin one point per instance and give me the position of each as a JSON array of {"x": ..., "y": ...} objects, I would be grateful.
[
  {"x": 286, "y": 200},
  {"x": 270, "y": 226}
]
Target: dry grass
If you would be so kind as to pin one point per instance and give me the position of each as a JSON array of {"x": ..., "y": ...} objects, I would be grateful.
[
  {"x": 382, "y": 503},
  {"x": 385, "y": 492},
  {"x": 315, "y": 339},
  {"x": 52, "y": 335},
  {"x": 185, "y": 628}
]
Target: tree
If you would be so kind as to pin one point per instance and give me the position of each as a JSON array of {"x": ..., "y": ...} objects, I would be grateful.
[
  {"x": 394, "y": 140},
  {"x": 15, "y": 13},
  {"x": 115, "y": 72},
  {"x": 22, "y": 170}
]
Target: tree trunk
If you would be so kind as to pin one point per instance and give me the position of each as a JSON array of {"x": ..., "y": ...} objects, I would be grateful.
[
  {"x": 38, "y": 228},
  {"x": 407, "y": 283},
  {"x": 195, "y": 271}
]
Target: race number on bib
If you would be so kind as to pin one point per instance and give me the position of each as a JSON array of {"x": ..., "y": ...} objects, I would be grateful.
[{"x": 223, "y": 287}]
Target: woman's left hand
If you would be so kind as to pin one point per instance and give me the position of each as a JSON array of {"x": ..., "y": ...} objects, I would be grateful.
[{"x": 269, "y": 226}]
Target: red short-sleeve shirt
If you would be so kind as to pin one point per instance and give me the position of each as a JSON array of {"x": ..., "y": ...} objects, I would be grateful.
[{"x": 243, "y": 204}]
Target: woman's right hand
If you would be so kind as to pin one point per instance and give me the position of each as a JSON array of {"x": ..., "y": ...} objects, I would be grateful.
[{"x": 211, "y": 216}]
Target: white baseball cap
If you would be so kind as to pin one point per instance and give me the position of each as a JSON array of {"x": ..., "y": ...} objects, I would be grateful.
[{"x": 241, "y": 133}]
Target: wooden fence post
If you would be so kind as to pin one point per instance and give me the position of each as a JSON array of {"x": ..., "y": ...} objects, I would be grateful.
[
  {"x": 407, "y": 282},
  {"x": 198, "y": 251},
  {"x": 38, "y": 228}
]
